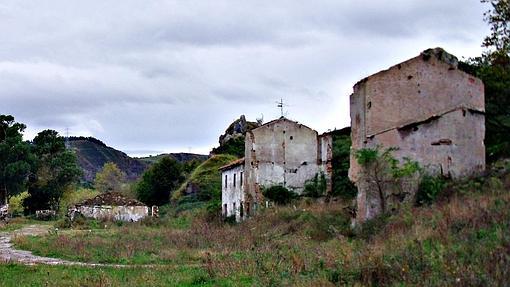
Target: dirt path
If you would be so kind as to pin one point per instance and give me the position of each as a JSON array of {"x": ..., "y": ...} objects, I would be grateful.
[{"x": 9, "y": 254}]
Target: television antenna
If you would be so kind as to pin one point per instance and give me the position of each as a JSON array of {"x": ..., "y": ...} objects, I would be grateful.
[{"x": 280, "y": 105}]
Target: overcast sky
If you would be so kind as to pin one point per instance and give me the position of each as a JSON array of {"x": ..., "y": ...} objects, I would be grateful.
[{"x": 148, "y": 77}]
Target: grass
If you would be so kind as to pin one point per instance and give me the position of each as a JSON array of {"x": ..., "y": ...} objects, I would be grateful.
[
  {"x": 206, "y": 177},
  {"x": 20, "y": 222},
  {"x": 19, "y": 275},
  {"x": 463, "y": 239}
]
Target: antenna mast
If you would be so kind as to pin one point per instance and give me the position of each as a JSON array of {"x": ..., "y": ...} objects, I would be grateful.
[{"x": 280, "y": 105}]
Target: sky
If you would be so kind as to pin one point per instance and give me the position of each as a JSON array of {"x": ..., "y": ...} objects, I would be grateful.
[{"x": 148, "y": 77}]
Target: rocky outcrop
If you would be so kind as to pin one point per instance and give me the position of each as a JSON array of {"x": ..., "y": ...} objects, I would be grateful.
[{"x": 237, "y": 129}]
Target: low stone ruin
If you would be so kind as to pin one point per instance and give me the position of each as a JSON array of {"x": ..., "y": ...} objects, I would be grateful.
[{"x": 111, "y": 206}]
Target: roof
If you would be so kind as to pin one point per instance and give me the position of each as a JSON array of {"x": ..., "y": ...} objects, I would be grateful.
[
  {"x": 111, "y": 198},
  {"x": 233, "y": 164},
  {"x": 280, "y": 120}
]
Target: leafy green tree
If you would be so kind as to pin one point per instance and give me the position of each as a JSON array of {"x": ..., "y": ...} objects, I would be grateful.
[
  {"x": 109, "y": 178},
  {"x": 498, "y": 17},
  {"x": 493, "y": 68},
  {"x": 159, "y": 181},
  {"x": 15, "y": 158},
  {"x": 55, "y": 170}
]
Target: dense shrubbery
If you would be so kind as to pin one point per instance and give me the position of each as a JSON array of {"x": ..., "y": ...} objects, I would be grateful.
[
  {"x": 316, "y": 187},
  {"x": 234, "y": 146},
  {"x": 341, "y": 185},
  {"x": 279, "y": 194},
  {"x": 157, "y": 183},
  {"x": 430, "y": 189}
]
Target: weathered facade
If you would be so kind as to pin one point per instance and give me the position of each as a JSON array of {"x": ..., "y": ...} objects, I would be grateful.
[
  {"x": 280, "y": 152},
  {"x": 429, "y": 110},
  {"x": 111, "y": 206},
  {"x": 232, "y": 193}
]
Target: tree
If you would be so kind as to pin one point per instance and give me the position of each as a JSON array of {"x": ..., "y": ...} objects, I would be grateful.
[
  {"x": 493, "y": 68},
  {"x": 386, "y": 176},
  {"x": 55, "y": 170},
  {"x": 498, "y": 17},
  {"x": 109, "y": 178},
  {"x": 15, "y": 158},
  {"x": 159, "y": 181}
]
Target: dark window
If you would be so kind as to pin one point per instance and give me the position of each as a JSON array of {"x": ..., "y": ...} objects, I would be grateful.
[
  {"x": 234, "y": 211},
  {"x": 241, "y": 179},
  {"x": 226, "y": 181},
  {"x": 241, "y": 209},
  {"x": 225, "y": 209},
  {"x": 234, "y": 180},
  {"x": 291, "y": 137},
  {"x": 247, "y": 208}
]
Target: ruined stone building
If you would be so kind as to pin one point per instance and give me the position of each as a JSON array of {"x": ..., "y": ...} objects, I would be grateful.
[
  {"x": 111, "y": 206},
  {"x": 428, "y": 109},
  {"x": 280, "y": 152}
]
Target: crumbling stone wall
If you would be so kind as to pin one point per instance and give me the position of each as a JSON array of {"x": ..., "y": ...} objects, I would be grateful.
[
  {"x": 427, "y": 108},
  {"x": 114, "y": 213}
]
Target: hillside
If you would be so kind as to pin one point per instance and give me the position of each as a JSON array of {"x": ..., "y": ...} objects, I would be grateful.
[
  {"x": 205, "y": 181},
  {"x": 180, "y": 157},
  {"x": 93, "y": 154}
]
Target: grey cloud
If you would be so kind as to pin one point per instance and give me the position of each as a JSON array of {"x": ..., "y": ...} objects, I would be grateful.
[{"x": 169, "y": 75}]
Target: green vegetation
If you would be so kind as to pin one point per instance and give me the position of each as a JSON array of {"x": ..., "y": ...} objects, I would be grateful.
[
  {"x": 16, "y": 159},
  {"x": 388, "y": 178},
  {"x": 461, "y": 239},
  {"x": 19, "y": 275},
  {"x": 159, "y": 181},
  {"x": 55, "y": 170},
  {"x": 279, "y": 194},
  {"x": 16, "y": 207},
  {"x": 72, "y": 197},
  {"x": 316, "y": 187},
  {"x": 430, "y": 189},
  {"x": 110, "y": 178},
  {"x": 92, "y": 154},
  {"x": 234, "y": 146},
  {"x": 206, "y": 179},
  {"x": 341, "y": 185},
  {"x": 493, "y": 68}
]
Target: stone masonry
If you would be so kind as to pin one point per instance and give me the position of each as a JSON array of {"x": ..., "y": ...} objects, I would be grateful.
[{"x": 429, "y": 110}]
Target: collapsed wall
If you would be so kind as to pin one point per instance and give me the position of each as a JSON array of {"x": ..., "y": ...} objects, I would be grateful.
[{"x": 429, "y": 110}]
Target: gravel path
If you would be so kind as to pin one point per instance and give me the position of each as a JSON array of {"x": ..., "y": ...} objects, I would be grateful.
[{"x": 9, "y": 254}]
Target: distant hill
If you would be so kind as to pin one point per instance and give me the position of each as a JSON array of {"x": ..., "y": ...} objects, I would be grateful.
[
  {"x": 93, "y": 154},
  {"x": 181, "y": 157}
]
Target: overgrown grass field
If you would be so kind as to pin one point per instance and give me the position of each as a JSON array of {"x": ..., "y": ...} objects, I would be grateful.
[{"x": 461, "y": 239}]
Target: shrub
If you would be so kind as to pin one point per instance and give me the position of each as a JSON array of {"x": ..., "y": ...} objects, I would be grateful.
[
  {"x": 391, "y": 181},
  {"x": 279, "y": 194},
  {"x": 430, "y": 188},
  {"x": 16, "y": 203},
  {"x": 315, "y": 187},
  {"x": 341, "y": 184}
]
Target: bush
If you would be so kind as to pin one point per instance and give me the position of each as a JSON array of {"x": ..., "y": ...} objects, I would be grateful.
[
  {"x": 72, "y": 196},
  {"x": 16, "y": 203},
  {"x": 430, "y": 188},
  {"x": 315, "y": 187},
  {"x": 279, "y": 194}
]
